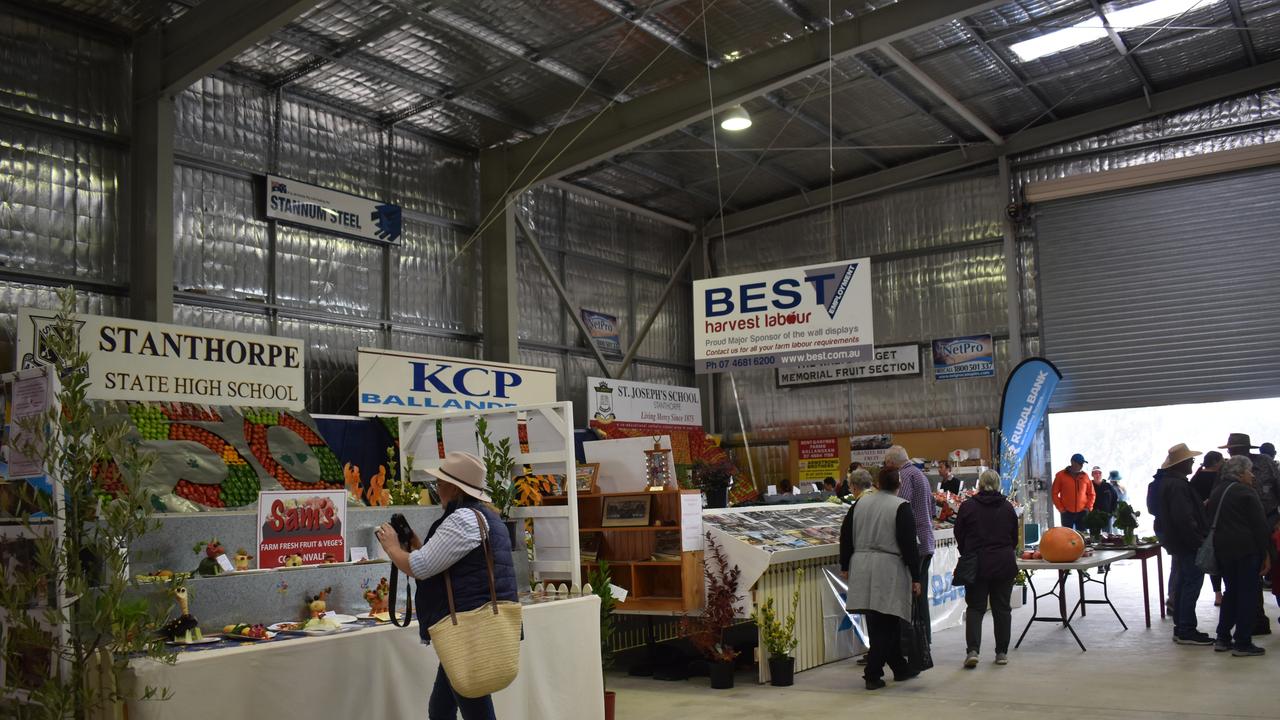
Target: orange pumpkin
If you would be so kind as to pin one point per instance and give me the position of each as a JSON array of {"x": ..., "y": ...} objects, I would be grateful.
[{"x": 1061, "y": 545}]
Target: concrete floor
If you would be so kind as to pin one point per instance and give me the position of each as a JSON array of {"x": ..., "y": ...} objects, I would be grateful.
[{"x": 1131, "y": 674}]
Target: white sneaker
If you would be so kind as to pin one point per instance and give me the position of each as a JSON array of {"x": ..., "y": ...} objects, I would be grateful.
[
  {"x": 1002, "y": 659},
  {"x": 970, "y": 661}
]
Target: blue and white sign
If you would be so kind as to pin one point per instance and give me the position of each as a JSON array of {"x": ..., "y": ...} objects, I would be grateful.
[
  {"x": 400, "y": 383},
  {"x": 603, "y": 329},
  {"x": 296, "y": 202},
  {"x": 964, "y": 357},
  {"x": 1026, "y": 400},
  {"x": 810, "y": 315}
]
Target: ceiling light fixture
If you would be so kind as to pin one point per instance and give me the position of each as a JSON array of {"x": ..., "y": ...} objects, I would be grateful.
[
  {"x": 1092, "y": 29},
  {"x": 735, "y": 119}
]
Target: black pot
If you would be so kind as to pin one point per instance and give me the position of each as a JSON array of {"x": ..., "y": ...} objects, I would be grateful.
[
  {"x": 782, "y": 671},
  {"x": 717, "y": 497},
  {"x": 721, "y": 675}
]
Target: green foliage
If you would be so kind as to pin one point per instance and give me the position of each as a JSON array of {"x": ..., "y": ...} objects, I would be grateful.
[
  {"x": 706, "y": 631},
  {"x": 498, "y": 464},
  {"x": 106, "y": 617},
  {"x": 601, "y": 580},
  {"x": 779, "y": 634},
  {"x": 1126, "y": 517},
  {"x": 401, "y": 489},
  {"x": 713, "y": 475},
  {"x": 1096, "y": 521}
]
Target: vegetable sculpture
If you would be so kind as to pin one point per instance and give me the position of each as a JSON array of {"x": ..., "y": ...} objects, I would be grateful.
[{"x": 184, "y": 628}]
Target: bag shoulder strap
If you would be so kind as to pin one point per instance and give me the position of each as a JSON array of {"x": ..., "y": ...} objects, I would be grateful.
[
  {"x": 1218, "y": 513},
  {"x": 483, "y": 526}
]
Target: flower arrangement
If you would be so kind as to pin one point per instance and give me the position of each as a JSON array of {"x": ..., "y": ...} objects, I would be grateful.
[
  {"x": 713, "y": 475},
  {"x": 779, "y": 633},
  {"x": 706, "y": 631}
]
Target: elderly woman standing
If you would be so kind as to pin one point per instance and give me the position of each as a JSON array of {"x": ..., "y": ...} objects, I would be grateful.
[
  {"x": 987, "y": 526},
  {"x": 1241, "y": 540},
  {"x": 884, "y": 568}
]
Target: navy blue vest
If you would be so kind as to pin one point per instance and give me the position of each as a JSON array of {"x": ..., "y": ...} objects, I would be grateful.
[{"x": 469, "y": 575}]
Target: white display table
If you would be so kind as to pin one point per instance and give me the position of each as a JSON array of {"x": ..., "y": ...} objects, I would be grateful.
[{"x": 382, "y": 672}]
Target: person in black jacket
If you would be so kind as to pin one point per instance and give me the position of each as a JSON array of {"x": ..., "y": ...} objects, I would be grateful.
[
  {"x": 1202, "y": 482},
  {"x": 1105, "y": 498},
  {"x": 1241, "y": 541},
  {"x": 1183, "y": 521},
  {"x": 987, "y": 526}
]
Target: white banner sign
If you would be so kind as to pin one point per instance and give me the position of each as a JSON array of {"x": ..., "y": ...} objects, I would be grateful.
[
  {"x": 146, "y": 361},
  {"x": 635, "y": 402},
  {"x": 811, "y": 315},
  {"x": 889, "y": 361},
  {"x": 399, "y": 383},
  {"x": 297, "y": 202}
]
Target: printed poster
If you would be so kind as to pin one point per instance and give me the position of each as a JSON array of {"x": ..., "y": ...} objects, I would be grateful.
[
  {"x": 964, "y": 357},
  {"x": 301, "y": 527},
  {"x": 819, "y": 459},
  {"x": 604, "y": 332}
]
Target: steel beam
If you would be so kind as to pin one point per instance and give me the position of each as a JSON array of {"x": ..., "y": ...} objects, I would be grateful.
[
  {"x": 941, "y": 93},
  {"x": 622, "y": 204},
  {"x": 653, "y": 314},
  {"x": 1122, "y": 48},
  {"x": 1018, "y": 78},
  {"x": 391, "y": 22},
  {"x": 150, "y": 190},
  {"x": 1090, "y": 123},
  {"x": 569, "y": 307},
  {"x": 210, "y": 34},
  {"x": 1237, "y": 16},
  {"x": 498, "y": 261},
  {"x": 1012, "y": 257},
  {"x": 582, "y": 143}
]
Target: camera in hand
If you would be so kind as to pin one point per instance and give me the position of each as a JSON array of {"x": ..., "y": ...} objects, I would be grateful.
[
  {"x": 405, "y": 535},
  {"x": 403, "y": 532}
]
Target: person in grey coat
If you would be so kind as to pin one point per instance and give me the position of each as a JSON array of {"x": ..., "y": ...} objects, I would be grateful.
[{"x": 884, "y": 568}]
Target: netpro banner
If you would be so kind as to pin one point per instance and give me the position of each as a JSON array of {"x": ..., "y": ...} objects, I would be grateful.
[
  {"x": 146, "y": 361},
  {"x": 1026, "y": 400},
  {"x": 964, "y": 357},
  {"x": 332, "y": 211},
  {"x": 400, "y": 383},
  {"x": 811, "y": 315}
]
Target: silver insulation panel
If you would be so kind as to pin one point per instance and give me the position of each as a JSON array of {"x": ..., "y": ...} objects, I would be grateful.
[{"x": 14, "y": 295}]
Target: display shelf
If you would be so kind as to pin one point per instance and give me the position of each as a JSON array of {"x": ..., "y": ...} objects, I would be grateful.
[
  {"x": 646, "y": 528},
  {"x": 643, "y": 563}
]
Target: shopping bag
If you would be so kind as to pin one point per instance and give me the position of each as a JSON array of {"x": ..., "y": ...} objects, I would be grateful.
[
  {"x": 915, "y": 642},
  {"x": 1206, "y": 558}
]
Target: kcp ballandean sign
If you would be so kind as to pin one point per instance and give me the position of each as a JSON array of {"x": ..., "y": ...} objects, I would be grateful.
[
  {"x": 399, "y": 383},
  {"x": 332, "y": 211},
  {"x": 811, "y": 315},
  {"x": 146, "y": 361}
]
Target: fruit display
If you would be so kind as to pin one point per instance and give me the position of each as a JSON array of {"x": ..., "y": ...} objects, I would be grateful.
[
  {"x": 151, "y": 421},
  {"x": 184, "y": 628},
  {"x": 241, "y": 485},
  {"x": 261, "y": 416},
  {"x": 241, "y": 559},
  {"x": 247, "y": 631},
  {"x": 1061, "y": 545},
  {"x": 208, "y": 564},
  {"x": 161, "y": 576},
  {"x": 255, "y": 434},
  {"x": 106, "y": 475},
  {"x": 330, "y": 468}
]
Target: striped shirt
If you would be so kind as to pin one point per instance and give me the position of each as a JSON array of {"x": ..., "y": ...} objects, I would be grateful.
[
  {"x": 456, "y": 536},
  {"x": 916, "y": 491}
]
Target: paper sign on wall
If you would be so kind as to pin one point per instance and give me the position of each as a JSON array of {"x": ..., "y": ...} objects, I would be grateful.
[
  {"x": 400, "y": 383},
  {"x": 309, "y": 527},
  {"x": 819, "y": 458},
  {"x": 691, "y": 522},
  {"x": 146, "y": 361},
  {"x": 621, "y": 401},
  {"x": 810, "y": 315}
]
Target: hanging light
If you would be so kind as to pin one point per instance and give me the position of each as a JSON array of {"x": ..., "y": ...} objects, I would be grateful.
[{"x": 735, "y": 119}]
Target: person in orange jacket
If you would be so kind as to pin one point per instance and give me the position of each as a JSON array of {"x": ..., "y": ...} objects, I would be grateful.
[{"x": 1073, "y": 493}]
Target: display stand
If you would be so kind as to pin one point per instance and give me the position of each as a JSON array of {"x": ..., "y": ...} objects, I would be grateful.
[{"x": 541, "y": 438}]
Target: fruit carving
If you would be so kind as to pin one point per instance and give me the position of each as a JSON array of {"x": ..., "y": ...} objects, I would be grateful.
[
  {"x": 209, "y": 564},
  {"x": 1061, "y": 545},
  {"x": 318, "y": 604},
  {"x": 241, "y": 559},
  {"x": 377, "y": 597},
  {"x": 257, "y": 632},
  {"x": 293, "y": 561},
  {"x": 184, "y": 628}
]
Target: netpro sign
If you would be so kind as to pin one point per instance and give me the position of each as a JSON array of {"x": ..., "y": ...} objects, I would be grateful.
[{"x": 398, "y": 383}]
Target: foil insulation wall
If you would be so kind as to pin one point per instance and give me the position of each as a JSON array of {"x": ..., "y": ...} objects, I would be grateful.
[{"x": 14, "y": 295}]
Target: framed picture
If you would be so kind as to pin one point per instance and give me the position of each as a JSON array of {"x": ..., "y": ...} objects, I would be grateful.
[
  {"x": 629, "y": 511},
  {"x": 587, "y": 473}
]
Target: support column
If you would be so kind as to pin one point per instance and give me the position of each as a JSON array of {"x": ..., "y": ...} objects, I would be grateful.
[
  {"x": 151, "y": 191},
  {"x": 498, "y": 263},
  {"x": 705, "y": 382},
  {"x": 1012, "y": 262}
]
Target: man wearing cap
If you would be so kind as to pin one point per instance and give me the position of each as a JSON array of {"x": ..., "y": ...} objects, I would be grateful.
[
  {"x": 1073, "y": 493},
  {"x": 1184, "y": 527},
  {"x": 456, "y": 545}
]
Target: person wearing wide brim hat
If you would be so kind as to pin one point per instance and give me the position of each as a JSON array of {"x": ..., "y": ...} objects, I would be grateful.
[
  {"x": 1122, "y": 492},
  {"x": 1266, "y": 474},
  {"x": 1184, "y": 528},
  {"x": 456, "y": 547}
]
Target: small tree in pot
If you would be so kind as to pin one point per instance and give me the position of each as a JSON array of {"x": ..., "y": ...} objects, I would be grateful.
[
  {"x": 1095, "y": 522},
  {"x": 602, "y": 585},
  {"x": 779, "y": 637},
  {"x": 714, "y": 479},
  {"x": 706, "y": 631}
]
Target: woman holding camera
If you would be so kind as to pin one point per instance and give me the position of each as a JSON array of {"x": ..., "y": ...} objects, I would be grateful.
[{"x": 454, "y": 546}]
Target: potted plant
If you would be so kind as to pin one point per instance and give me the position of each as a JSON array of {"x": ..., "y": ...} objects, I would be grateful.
[
  {"x": 714, "y": 479},
  {"x": 79, "y": 580},
  {"x": 498, "y": 464},
  {"x": 779, "y": 637},
  {"x": 602, "y": 585},
  {"x": 1127, "y": 521},
  {"x": 1095, "y": 522},
  {"x": 1019, "y": 596},
  {"x": 706, "y": 631}
]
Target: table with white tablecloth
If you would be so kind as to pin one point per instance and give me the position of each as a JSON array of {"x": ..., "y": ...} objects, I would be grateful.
[{"x": 378, "y": 672}]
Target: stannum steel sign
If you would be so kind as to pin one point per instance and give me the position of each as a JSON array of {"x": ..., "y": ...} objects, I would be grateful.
[{"x": 299, "y": 203}]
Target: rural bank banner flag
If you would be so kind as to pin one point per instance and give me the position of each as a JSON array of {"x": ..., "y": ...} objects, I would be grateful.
[
  {"x": 1026, "y": 400},
  {"x": 810, "y": 315}
]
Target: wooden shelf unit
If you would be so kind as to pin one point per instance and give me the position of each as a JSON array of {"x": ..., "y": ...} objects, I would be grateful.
[{"x": 674, "y": 586}]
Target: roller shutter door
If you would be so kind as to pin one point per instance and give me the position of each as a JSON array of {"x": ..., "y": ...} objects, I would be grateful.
[{"x": 1164, "y": 295}]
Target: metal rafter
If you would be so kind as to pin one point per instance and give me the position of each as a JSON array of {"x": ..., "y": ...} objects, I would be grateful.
[
  {"x": 391, "y": 22},
  {"x": 934, "y": 87},
  {"x": 661, "y": 178},
  {"x": 1123, "y": 49},
  {"x": 1016, "y": 76},
  {"x": 1237, "y": 16}
]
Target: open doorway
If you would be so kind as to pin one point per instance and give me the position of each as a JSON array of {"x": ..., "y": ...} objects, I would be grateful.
[{"x": 1136, "y": 440}]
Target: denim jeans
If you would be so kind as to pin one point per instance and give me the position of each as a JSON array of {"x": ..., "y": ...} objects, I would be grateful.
[
  {"x": 1074, "y": 520},
  {"x": 1190, "y": 580},
  {"x": 445, "y": 703},
  {"x": 1240, "y": 601}
]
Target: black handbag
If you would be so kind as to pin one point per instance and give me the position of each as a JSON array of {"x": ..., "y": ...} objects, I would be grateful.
[
  {"x": 966, "y": 572},
  {"x": 915, "y": 641}
]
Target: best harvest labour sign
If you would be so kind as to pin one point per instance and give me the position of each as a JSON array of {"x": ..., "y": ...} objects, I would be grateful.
[{"x": 811, "y": 315}]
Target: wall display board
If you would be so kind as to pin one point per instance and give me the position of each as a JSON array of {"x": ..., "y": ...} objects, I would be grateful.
[
  {"x": 869, "y": 449},
  {"x": 810, "y": 315},
  {"x": 302, "y": 528},
  {"x": 885, "y": 362},
  {"x": 971, "y": 356},
  {"x": 815, "y": 459},
  {"x": 634, "y": 403},
  {"x": 400, "y": 383},
  {"x": 299, "y": 203},
  {"x": 604, "y": 332},
  {"x": 146, "y": 361}
]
